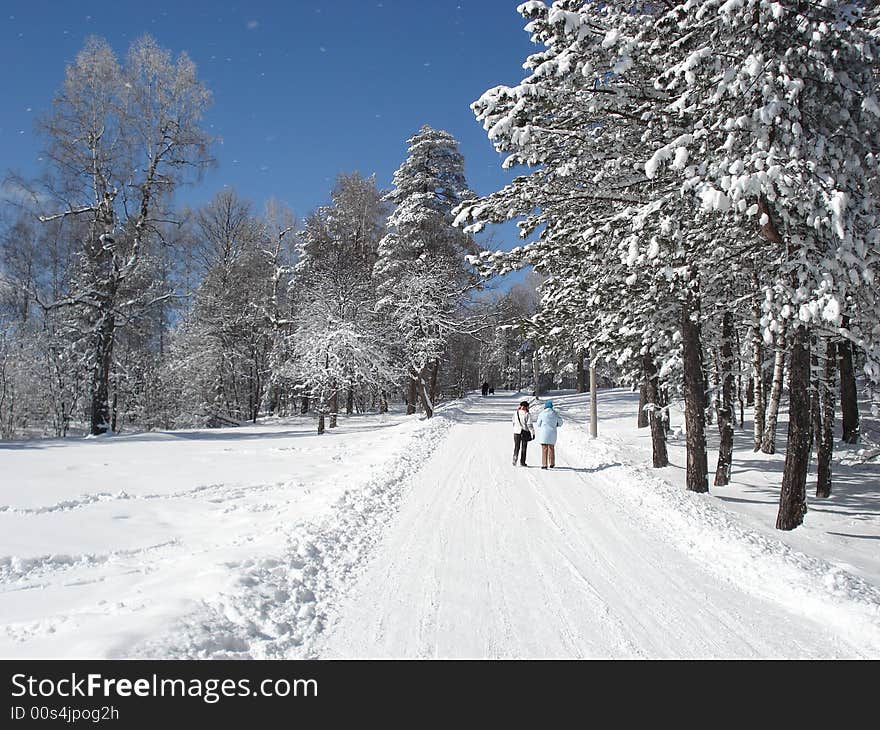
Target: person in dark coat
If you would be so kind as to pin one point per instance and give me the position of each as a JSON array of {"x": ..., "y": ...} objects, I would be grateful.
[{"x": 485, "y": 388}]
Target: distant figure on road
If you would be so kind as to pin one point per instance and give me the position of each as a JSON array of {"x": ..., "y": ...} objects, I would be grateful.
[
  {"x": 491, "y": 390},
  {"x": 523, "y": 432},
  {"x": 485, "y": 388},
  {"x": 548, "y": 421}
]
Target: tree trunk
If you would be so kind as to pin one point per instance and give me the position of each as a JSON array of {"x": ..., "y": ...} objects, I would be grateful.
[
  {"x": 349, "y": 401},
  {"x": 383, "y": 402},
  {"x": 694, "y": 395},
  {"x": 334, "y": 407},
  {"x": 580, "y": 385},
  {"x": 825, "y": 448},
  {"x": 653, "y": 409},
  {"x": 793, "y": 497},
  {"x": 716, "y": 388},
  {"x": 435, "y": 370},
  {"x": 304, "y": 405},
  {"x": 423, "y": 394},
  {"x": 768, "y": 439},
  {"x": 758, "y": 378},
  {"x": 412, "y": 396},
  {"x": 103, "y": 354},
  {"x": 664, "y": 401},
  {"x": 815, "y": 407},
  {"x": 849, "y": 404},
  {"x": 536, "y": 371},
  {"x": 642, "y": 421},
  {"x": 320, "y": 420},
  {"x": 114, "y": 405},
  {"x": 740, "y": 391},
  {"x": 725, "y": 411}
]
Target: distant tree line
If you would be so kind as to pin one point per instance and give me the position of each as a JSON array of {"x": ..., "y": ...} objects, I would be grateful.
[{"x": 120, "y": 310}]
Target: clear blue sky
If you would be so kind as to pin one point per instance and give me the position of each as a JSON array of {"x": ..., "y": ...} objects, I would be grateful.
[{"x": 302, "y": 90}]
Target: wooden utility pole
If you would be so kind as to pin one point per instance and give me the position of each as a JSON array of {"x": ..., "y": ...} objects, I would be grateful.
[{"x": 594, "y": 425}]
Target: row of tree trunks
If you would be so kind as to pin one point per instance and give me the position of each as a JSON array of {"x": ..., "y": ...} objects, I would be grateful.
[
  {"x": 725, "y": 411},
  {"x": 694, "y": 392},
  {"x": 654, "y": 409}
]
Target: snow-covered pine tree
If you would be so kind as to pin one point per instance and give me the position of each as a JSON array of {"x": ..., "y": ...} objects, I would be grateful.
[{"x": 421, "y": 275}]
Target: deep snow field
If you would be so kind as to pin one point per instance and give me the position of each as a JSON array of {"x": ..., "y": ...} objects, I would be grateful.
[{"x": 393, "y": 536}]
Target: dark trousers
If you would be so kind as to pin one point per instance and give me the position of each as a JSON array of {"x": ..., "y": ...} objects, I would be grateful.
[{"x": 519, "y": 448}]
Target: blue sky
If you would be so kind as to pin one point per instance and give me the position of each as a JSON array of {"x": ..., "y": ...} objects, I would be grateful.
[{"x": 302, "y": 90}]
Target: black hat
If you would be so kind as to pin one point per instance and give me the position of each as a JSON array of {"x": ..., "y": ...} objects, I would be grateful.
[{"x": 524, "y": 403}]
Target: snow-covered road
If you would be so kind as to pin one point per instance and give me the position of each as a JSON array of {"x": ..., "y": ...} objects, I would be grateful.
[
  {"x": 395, "y": 536},
  {"x": 489, "y": 560}
]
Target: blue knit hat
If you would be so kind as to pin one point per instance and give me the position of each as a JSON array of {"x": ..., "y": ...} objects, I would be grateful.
[{"x": 548, "y": 404}]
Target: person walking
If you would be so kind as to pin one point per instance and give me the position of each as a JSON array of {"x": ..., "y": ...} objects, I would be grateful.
[
  {"x": 547, "y": 422},
  {"x": 484, "y": 389},
  {"x": 523, "y": 432}
]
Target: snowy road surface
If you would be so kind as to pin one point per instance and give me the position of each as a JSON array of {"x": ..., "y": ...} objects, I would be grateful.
[
  {"x": 490, "y": 560},
  {"x": 397, "y": 537}
]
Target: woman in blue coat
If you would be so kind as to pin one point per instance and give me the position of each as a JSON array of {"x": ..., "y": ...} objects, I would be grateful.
[{"x": 548, "y": 421}]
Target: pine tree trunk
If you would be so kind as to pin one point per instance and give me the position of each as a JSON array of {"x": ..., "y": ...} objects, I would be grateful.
[
  {"x": 768, "y": 439},
  {"x": 304, "y": 405},
  {"x": 334, "y": 407},
  {"x": 322, "y": 409},
  {"x": 643, "y": 401},
  {"x": 664, "y": 401},
  {"x": 725, "y": 411},
  {"x": 825, "y": 448},
  {"x": 580, "y": 386},
  {"x": 849, "y": 404},
  {"x": 815, "y": 407},
  {"x": 758, "y": 380},
  {"x": 658, "y": 432},
  {"x": 793, "y": 497},
  {"x": 694, "y": 395},
  {"x": 740, "y": 390},
  {"x": 349, "y": 401},
  {"x": 716, "y": 388},
  {"x": 383, "y": 402}
]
